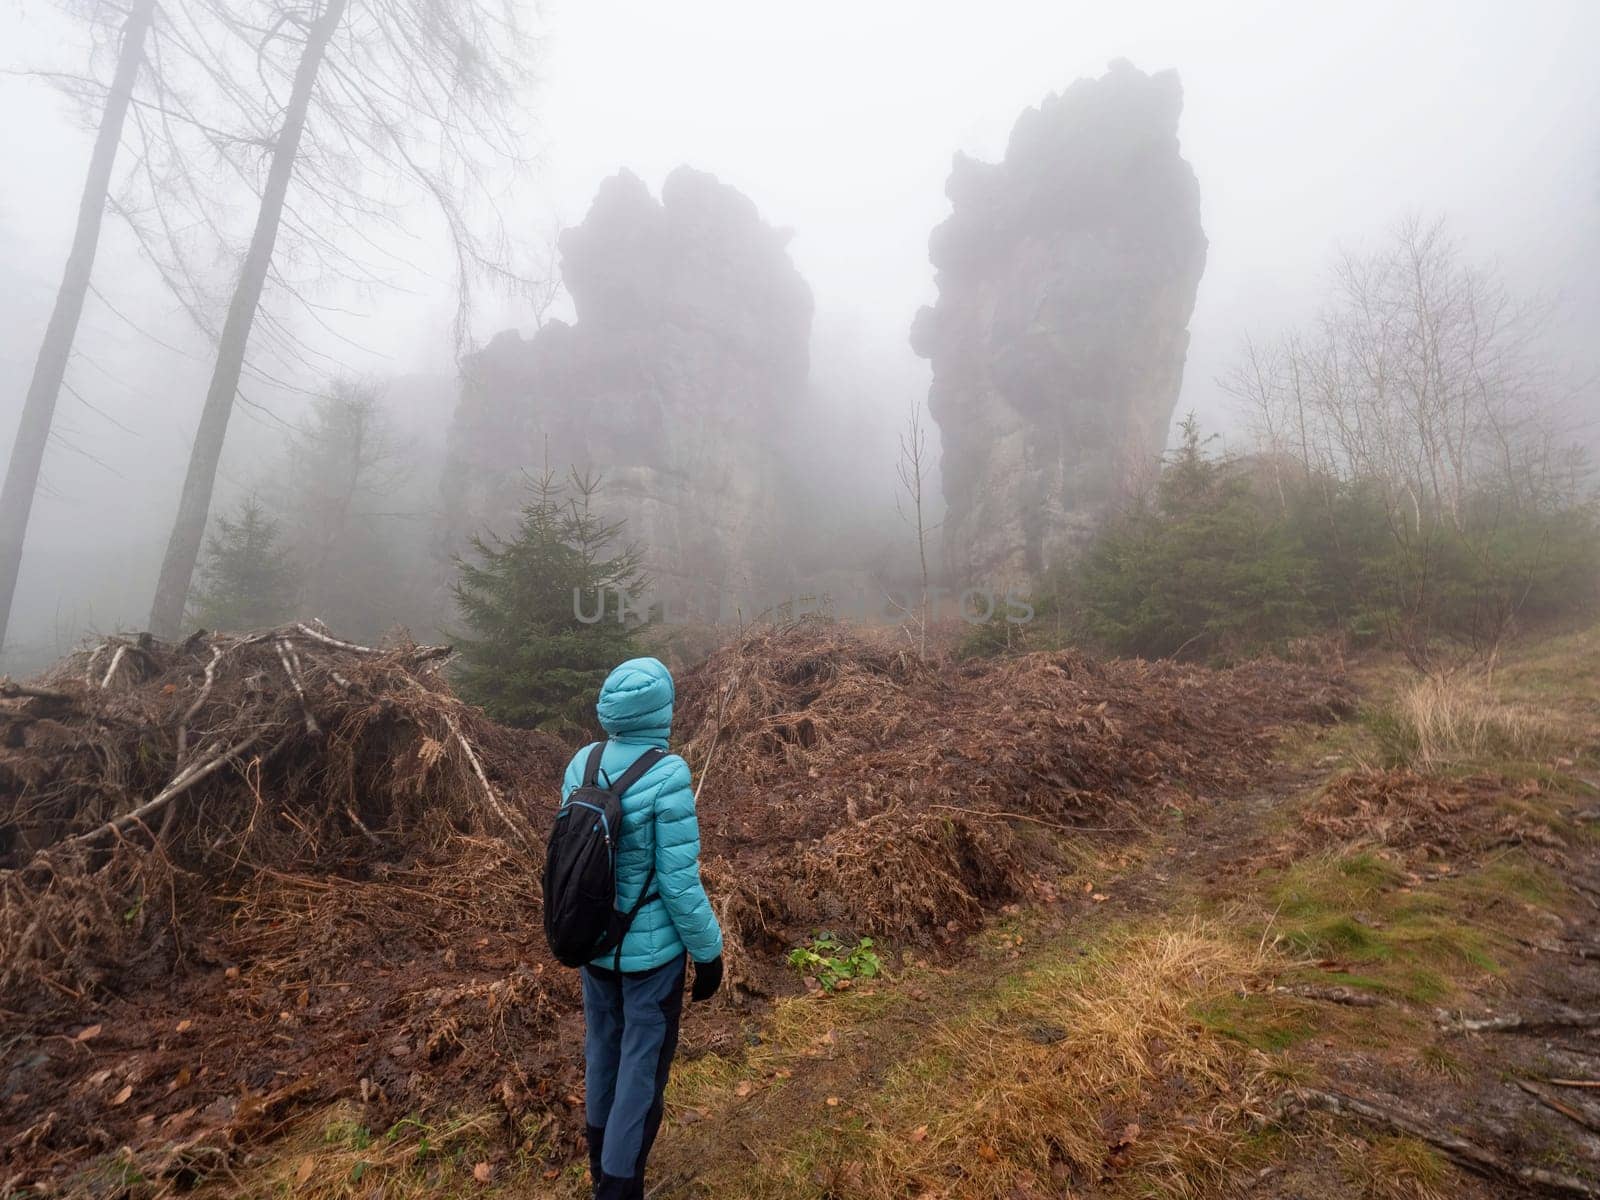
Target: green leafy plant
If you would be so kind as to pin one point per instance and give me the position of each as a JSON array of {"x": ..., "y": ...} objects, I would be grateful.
[{"x": 832, "y": 964}]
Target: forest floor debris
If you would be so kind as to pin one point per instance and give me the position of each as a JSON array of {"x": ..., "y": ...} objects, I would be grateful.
[
  {"x": 1136, "y": 923},
  {"x": 1379, "y": 937},
  {"x": 248, "y": 878}
]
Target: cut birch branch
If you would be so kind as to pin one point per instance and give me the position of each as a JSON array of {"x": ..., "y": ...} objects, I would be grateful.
[
  {"x": 488, "y": 788},
  {"x": 111, "y": 671},
  {"x": 329, "y": 640},
  {"x": 217, "y": 651},
  {"x": 11, "y": 690},
  {"x": 1459, "y": 1150},
  {"x": 350, "y": 811},
  {"x": 1354, "y": 997},
  {"x": 1564, "y": 1018},
  {"x": 1574, "y": 1115},
  {"x": 181, "y": 782},
  {"x": 289, "y": 669}
]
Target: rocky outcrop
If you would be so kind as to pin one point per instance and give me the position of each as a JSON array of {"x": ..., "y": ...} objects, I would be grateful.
[
  {"x": 1066, "y": 274},
  {"x": 688, "y": 353}
]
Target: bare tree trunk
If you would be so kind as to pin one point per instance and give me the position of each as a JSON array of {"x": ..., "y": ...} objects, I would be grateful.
[
  {"x": 913, "y": 444},
  {"x": 188, "y": 529},
  {"x": 27, "y": 454}
]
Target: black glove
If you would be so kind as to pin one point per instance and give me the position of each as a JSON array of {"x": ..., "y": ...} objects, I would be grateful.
[{"x": 707, "y": 979}]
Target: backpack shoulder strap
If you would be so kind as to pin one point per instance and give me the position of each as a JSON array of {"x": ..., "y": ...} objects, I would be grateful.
[
  {"x": 636, "y": 771},
  {"x": 591, "y": 769},
  {"x": 645, "y": 897}
]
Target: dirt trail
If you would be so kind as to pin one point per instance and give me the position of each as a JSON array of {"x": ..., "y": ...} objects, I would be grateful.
[{"x": 1478, "y": 1097}]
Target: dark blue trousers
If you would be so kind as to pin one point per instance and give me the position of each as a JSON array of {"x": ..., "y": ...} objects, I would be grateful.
[{"x": 631, "y": 1033}]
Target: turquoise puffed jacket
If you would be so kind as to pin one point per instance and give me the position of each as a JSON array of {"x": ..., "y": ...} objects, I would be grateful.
[{"x": 658, "y": 823}]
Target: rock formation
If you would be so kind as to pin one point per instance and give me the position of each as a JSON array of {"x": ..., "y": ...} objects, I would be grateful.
[
  {"x": 689, "y": 350},
  {"x": 1066, "y": 275}
]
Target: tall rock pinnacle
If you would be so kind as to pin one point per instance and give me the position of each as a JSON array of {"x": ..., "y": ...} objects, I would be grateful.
[
  {"x": 1067, "y": 274},
  {"x": 690, "y": 349}
]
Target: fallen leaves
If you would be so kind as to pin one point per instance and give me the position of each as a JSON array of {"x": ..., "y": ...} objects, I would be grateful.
[
  {"x": 88, "y": 1033},
  {"x": 1120, "y": 1154}
]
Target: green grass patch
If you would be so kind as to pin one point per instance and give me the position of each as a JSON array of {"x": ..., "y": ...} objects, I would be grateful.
[
  {"x": 1416, "y": 944},
  {"x": 1269, "y": 1023},
  {"x": 1362, "y": 983},
  {"x": 1340, "y": 746},
  {"x": 1514, "y": 877}
]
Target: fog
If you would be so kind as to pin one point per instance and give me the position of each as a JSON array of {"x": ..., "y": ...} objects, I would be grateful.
[{"x": 1308, "y": 127}]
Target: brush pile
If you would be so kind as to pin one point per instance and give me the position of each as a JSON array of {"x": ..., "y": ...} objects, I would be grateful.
[
  {"x": 883, "y": 795},
  {"x": 137, "y": 770},
  {"x": 241, "y": 874},
  {"x": 243, "y": 878}
]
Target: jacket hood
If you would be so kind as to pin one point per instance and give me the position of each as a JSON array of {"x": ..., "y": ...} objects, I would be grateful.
[{"x": 636, "y": 701}]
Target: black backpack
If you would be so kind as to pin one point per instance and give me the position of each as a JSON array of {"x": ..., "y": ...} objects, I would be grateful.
[{"x": 581, "y": 921}]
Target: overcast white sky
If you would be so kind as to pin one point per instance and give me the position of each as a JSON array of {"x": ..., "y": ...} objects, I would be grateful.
[{"x": 1307, "y": 124}]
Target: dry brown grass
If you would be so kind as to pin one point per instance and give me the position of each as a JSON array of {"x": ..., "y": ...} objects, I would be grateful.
[
  {"x": 1453, "y": 720},
  {"x": 332, "y": 1155},
  {"x": 1091, "y": 1069},
  {"x": 1396, "y": 1168}
]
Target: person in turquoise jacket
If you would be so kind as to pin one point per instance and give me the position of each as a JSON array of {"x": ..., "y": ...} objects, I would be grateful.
[{"x": 633, "y": 996}]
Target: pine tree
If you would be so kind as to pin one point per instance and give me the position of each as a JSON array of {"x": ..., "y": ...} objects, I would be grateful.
[
  {"x": 550, "y": 610},
  {"x": 1200, "y": 567},
  {"x": 246, "y": 579},
  {"x": 344, "y": 463}
]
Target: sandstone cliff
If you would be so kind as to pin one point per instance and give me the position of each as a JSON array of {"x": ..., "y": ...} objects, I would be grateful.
[
  {"x": 688, "y": 353},
  {"x": 1066, "y": 274}
]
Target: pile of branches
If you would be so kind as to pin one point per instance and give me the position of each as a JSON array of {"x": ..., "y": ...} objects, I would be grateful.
[
  {"x": 243, "y": 875},
  {"x": 856, "y": 787},
  {"x": 848, "y": 725},
  {"x": 139, "y": 778}
]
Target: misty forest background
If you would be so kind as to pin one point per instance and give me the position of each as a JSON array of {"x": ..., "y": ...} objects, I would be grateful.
[{"x": 1382, "y": 439}]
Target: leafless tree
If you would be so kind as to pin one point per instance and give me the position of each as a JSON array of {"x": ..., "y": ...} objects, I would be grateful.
[
  {"x": 357, "y": 109},
  {"x": 344, "y": 463},
  {"x": 1421, "y": 381},
  {"x": 49, "y": 372},
  {"x": 912, "y": 470}
]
